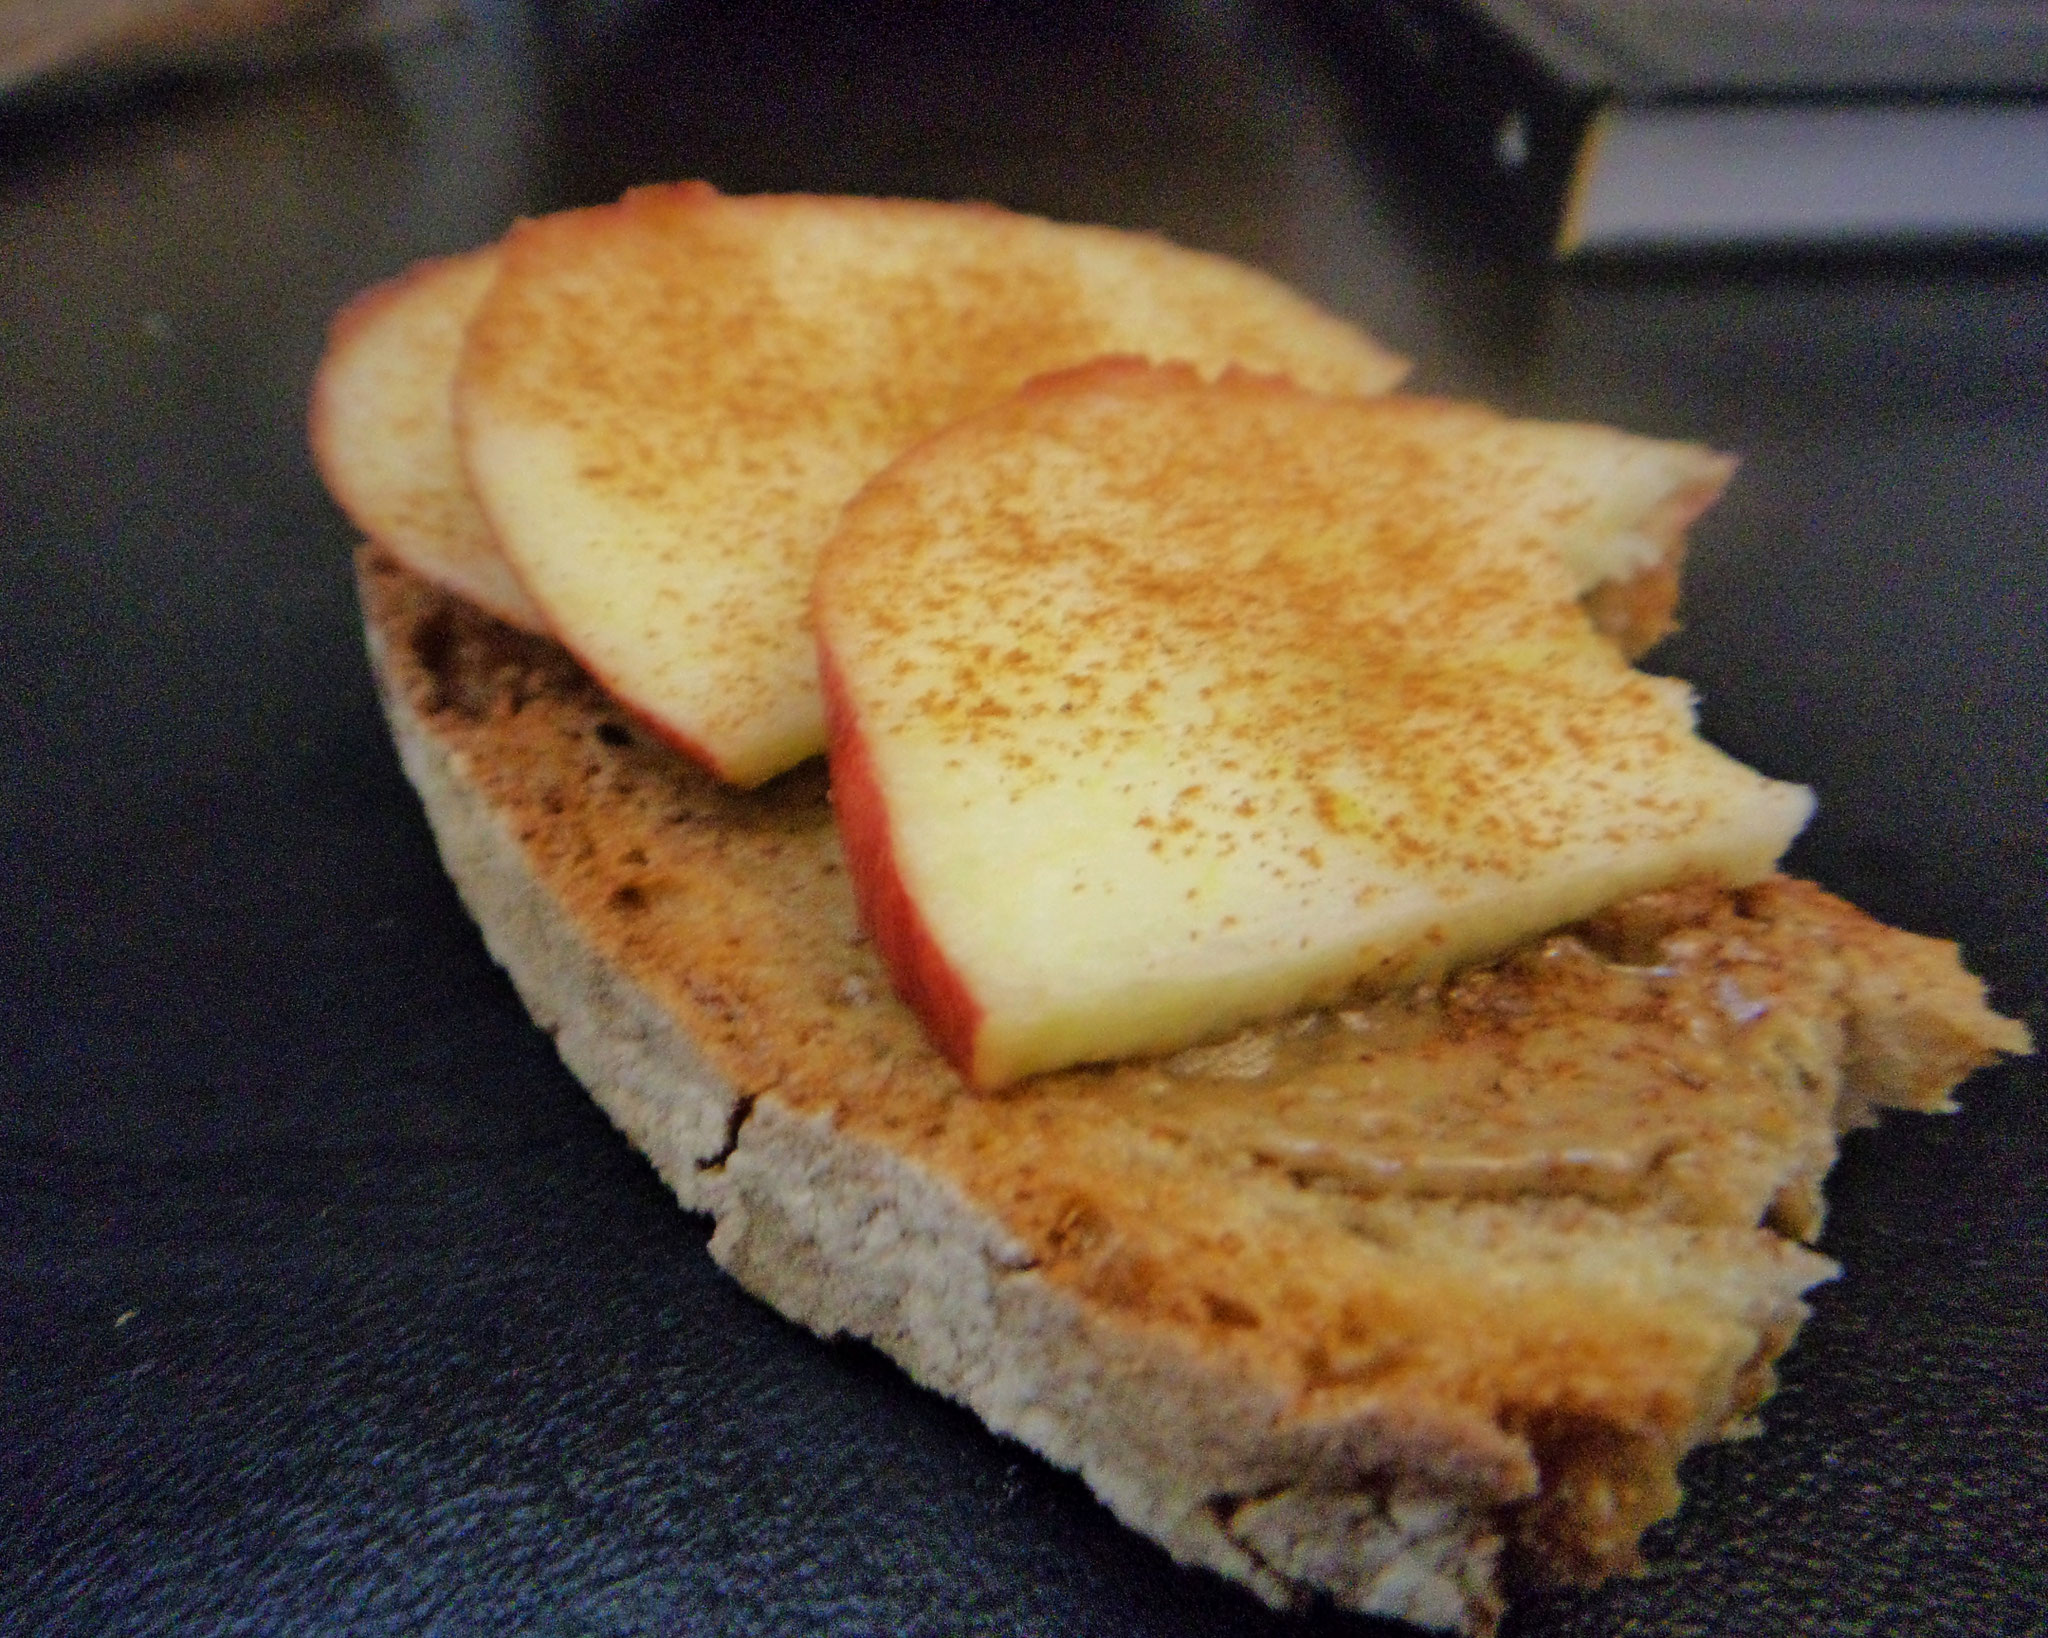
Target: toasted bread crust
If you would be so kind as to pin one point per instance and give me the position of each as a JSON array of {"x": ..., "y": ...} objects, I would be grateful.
[
  {"x": 1312, "y": 1387},
  {"x": 1638, "y": 612}
]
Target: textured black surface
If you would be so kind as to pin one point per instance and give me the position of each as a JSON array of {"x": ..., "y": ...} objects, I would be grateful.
[{"x": 327, "y": 1301}]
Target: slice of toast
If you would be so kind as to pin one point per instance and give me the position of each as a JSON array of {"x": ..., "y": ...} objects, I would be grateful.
[
  {"x": 1353, "y": 1305},
  {"x": 382, "y": 426}
]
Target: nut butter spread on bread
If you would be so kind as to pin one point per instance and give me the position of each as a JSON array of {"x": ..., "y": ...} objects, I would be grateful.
[{"x": 1350, "y": 1304}]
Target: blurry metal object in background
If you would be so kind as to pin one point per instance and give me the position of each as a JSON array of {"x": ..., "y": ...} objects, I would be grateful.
[
  {"x": 1630, "y": 127},
  {"x": 87, "y": 44}
]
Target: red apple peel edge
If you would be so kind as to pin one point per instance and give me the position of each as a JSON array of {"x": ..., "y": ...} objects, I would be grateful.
[
  {"x": 656, "y": 728},
  {"x": 918, "y": 970}
]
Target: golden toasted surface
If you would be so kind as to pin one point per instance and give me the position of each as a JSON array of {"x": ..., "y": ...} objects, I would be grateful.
[
  {"x": 1551, "y": 1270},
  {"x": 382, "y": 426},
  {"x": 665, "y": 402}
]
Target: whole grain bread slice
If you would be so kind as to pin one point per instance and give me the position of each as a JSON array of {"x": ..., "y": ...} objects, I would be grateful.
[{"x": 1352, "y": 1306}]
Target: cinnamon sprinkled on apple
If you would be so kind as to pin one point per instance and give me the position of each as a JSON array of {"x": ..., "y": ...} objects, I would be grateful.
[
  {"x": 665, "y": 402},
  {"x": 1059, "y": 624}
]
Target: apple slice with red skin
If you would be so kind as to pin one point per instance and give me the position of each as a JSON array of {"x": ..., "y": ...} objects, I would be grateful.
[
  {"x": 663, "y": 404},
  {"x": 1157, "y": 705},
  {"x": 918, "y": 970},
  {"x": 382, "y": 426}
]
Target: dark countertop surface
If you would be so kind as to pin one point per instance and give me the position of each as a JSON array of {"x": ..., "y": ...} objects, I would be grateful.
[{"x": 329, "y": 1303}]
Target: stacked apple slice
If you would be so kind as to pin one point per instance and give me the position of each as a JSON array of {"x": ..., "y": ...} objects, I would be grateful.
[
  {"x": 1157, "y": 705},
  {"x": 1159, "y": 701},
  {"x": 664, "y": 403},
  {"x": 383, "y": 430}
]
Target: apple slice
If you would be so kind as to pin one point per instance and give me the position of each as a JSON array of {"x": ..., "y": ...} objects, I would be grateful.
[
  {"x": 664, "y": 403},
  {"x": 1621, "y": 506},
  {"x": 382, "y": 422},
  {"x": 1158, "y": 705}
]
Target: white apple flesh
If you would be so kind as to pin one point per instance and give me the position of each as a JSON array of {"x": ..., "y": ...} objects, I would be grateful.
[
  {"x": 664, "y": 403},
  {"x": 383, "y": 430},
  {"x": 1156, "y": 706}
]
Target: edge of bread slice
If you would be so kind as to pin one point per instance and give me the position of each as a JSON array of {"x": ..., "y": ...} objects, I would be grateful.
[{"x": 1368, "y": 1391}]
